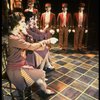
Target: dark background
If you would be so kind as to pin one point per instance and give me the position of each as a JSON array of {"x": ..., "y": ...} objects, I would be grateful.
[
  {"x": 92, "y": 8},
  {"x": 56, "y": 5}
]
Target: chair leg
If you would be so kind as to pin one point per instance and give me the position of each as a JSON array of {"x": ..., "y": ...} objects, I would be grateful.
[
  {"x": 23, "y": 95},
  {"x": 11, "y": 91},
  {"x": 28, "y": 93},
  {"x": 2, "y": 97},
  {"x": 31, "y": 93}
]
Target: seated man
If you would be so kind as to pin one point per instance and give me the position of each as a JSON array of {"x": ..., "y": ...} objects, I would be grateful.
[
  {"x": 37, "y": 36},
  {"x": 31, "y": 11},
  {"x": 19, "y": 72},
  {"x": 41, "y": 32}
]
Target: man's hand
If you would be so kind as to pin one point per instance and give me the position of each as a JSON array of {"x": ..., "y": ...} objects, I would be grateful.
[
  {"x": 46, "y": 27},
  {"x": 37, "y": 27},
  {"x": 73, "y": 31},
  {"x": 57, "y": 30},
  {"x": 69, "y": 30},
  {"x": 86, "y": 31},
  {"x": 53, "y": 40},
  {"x": 26, "y": 10},
  {"x": 52, "y": 31}
]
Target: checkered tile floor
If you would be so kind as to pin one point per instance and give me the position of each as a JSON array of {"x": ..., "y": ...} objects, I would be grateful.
[{"x": 75, "y": 78}]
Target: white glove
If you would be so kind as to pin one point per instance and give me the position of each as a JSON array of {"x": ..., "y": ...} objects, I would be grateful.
[
  {"x": 73, "y": 31},
  {"x": 41, "y": 30},
  {"x": 36, "y": 26},
  {"x": 46, "y": 27},
  {"x": 69, "y": 30},
  {"x": 57, "y": 30},
  {"x": 52, "y": 31},
  {"x": 53, "y": 40},
  {"x": 86, "y": 31}
]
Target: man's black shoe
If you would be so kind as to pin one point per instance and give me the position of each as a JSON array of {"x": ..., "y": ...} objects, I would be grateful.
[
  {"x": 49, "y": 70},
  {"x": 81, "y": 51}
]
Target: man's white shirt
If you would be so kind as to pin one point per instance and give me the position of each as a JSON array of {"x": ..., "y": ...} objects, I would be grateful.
[
  {"x": 64, "y": 18},
  {"x": 80, "y": 18},
  {"x": 47, "y": 18}
]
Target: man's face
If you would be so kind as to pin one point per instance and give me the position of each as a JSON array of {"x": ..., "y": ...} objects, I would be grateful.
[
  {"x": 15, "y": 31},
  {"x": 22, "y": 22},
  {"x": 81, "y": 8},
  {"x": 22, "y": 28},
  {"x": 31, "y": 5},
  {"x": 31, "y": 25},
  {"x": 64, "y": 9},
  {"x": 48, "y": 8}
]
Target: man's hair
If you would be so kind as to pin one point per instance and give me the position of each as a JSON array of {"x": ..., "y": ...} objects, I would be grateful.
[{"x": 14, "y": 19}]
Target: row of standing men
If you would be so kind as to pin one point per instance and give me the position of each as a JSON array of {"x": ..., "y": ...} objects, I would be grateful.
[{"x": 65, "y": 23}]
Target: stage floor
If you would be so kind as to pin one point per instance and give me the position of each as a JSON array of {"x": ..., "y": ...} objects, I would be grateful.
[{"x": 75, "y": 78}]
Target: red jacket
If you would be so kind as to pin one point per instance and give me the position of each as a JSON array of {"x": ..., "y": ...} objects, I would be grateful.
[
  {"x": 35, "y": 11},
  {"x": 60, "y": 20},
  {"x": 76, "y": 20},
  {"x": 29, "y": 14},
  {"x": 52, "y": 23}
]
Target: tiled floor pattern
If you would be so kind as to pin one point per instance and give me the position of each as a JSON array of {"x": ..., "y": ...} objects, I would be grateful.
[{"x": 75, "y": 78}]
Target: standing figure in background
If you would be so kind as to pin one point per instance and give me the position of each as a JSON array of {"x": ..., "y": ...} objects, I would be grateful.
[
  {"x": 16, "y": 5},
  {"x": 80, "y": 24},
  {"x": 36, "y": 33},
  {"x": 32, "y": 1},
  {"x": 36, "y": 36},
  {"x": 64, "y": 22},
  {"x": 21, "y": 74},
  {"x": 5, "y": 10},
  {"x": 48, "y": 20},
  {"x": 32, "y": 12}
]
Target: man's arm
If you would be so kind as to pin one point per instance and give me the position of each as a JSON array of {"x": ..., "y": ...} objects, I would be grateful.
[
  {"x": 54, "y": 22},
  {"x": 20, "y": 43},
  {"x": 70, "y": 21},
  {"x": 86, "y": 23},
  {"x": 41, "y": 21},
  {"x": 58, "y": 23}
]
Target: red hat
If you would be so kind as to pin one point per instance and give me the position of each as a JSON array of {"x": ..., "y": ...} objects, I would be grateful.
[
  {"x": 82, "y": 5},
  {"x": 30, "y": 3},
  {"x": 33, "y": 1},
  {"x": 64, "y": 5},
  {"x": 47, "y": 5}
]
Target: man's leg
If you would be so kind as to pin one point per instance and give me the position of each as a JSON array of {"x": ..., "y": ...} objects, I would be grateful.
[
  {"x": 38, "y": 76},
  {"x": 44, "y": 61},
  {"x": 76, "y": 37},
  {"x": 65, "y": 46},
  {"x": 48, "y": 62},
  {"x": 81, "y": 38},
  {"x": 61, "y": 38},
  {"x": 43, "y": 86}
]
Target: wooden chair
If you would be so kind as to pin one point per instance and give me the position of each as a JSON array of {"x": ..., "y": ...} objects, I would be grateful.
[{"x": 9, "y": 89}]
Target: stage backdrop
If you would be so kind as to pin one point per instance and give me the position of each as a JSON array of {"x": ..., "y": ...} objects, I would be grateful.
[
  {"x": 92, "y": 8},
  {"x": 93, "y": 16}
]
